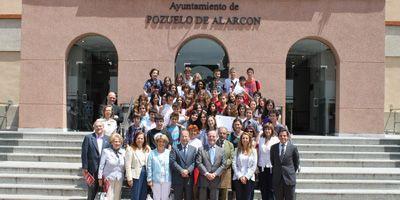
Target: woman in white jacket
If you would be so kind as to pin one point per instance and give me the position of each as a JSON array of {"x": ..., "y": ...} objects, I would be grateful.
[
  {"x": 136, "y": 159},
  {"x": 244, "y": 166}
]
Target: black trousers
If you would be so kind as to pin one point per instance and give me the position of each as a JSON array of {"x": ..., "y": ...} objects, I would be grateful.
[
  {"x": 285, "y": 192},
  {"x": 92, "y": 190},
  {"x": 244, "y": 191},
  {"x": 265, "y": 183}
]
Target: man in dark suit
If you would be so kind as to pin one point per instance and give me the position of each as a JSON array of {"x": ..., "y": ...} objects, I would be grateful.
[
  {"x": 92, "y": 146},
  {"x": 211, "y": 163},
  {"x": 182, "y": 160},
  {"x": 111, "y": 100},
  {"x": 285, "y": 162}
]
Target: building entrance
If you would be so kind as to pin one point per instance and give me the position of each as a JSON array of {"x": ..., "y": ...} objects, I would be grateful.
[
  {"x": 310, "y": 88},
  {"x": 92, "y": 70},
  {"x": 203, "y": 55}
]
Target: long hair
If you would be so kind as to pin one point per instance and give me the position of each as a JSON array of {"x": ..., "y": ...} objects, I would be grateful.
[
  {"x": 249, "y": 147},
  {"x": 134, "y": 146}
]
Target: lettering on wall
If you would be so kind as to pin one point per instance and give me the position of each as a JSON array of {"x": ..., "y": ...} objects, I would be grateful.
[{"x": 214, "y": 20}]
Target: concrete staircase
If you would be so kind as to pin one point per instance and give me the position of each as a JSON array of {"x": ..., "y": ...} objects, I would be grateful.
[
  {"x": 41, "y": 166},
  {"x": 348, "y": 168},
  {"x": 47, "y": 166}
]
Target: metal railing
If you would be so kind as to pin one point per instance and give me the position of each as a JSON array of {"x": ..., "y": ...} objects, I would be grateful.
[
  {"x": 4, "y": 115},
  {"x": 125, "y": 122},
  {"x": 396, "y": 120}
]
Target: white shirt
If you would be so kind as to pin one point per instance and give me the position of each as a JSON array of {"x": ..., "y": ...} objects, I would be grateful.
[
  {"x": 110, "y": 126},
  {"x": 280, "y": 149},
  {"x": 196, "y": 143},
  {"x": 99, "y": 140},
  {"x": 264, "y": 151},
  {"x": 228, "y": 83}
]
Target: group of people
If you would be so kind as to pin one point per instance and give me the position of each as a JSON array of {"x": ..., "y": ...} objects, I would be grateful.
[{"x": 174, "y": 146}]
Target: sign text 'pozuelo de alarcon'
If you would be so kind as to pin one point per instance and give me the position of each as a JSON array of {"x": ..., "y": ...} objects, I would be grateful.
[{"x": 214, "y": 20}]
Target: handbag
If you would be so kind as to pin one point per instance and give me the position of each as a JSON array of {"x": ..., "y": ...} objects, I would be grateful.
[{"x": 101, "y": 196}]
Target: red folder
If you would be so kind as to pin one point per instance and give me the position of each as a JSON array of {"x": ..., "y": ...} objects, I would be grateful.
[{"x": 89, "y": 179}]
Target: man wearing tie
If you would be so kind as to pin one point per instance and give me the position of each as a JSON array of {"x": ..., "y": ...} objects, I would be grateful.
[
  {"x": 211, "y": 163},
  {"x": 182, "y": 160},
  {"x": 92, "y": 146},
  {"x": 285, "y": 162}
]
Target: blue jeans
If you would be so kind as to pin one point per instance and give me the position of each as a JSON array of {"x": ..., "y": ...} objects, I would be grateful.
[{"x": 139, "y": 187}]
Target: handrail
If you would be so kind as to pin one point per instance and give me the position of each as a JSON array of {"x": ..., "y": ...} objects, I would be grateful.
[
  {"x": 7, "y": 108},
  {"x": 125, "y": 122},
  {"x": 394, "y": 111}
]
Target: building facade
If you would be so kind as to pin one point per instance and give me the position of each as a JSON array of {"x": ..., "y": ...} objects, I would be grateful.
[
  {"x": 10, "y": 61},
  {"x": 321, "y": 61},
  {"x": 392, "y": 61}
]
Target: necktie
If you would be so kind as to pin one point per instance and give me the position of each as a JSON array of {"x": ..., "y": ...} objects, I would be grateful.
[
  {"x": 212, "y": 155},
  {"x": 184, "y": 151},
  {"x": 282, "y": 151}
]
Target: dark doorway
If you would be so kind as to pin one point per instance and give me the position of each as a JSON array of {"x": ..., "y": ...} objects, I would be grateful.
[
  {"x": 310, "y": 88},
  {"x": 203, "y": 55},
  {"x": 92, "y": 72}
]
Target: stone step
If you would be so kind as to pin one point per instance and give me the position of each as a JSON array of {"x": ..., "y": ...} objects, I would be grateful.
[
  {"x": 347, "y": 184},
  {"x": 42, "y": 179},
  {"x": 41, "y": 150},
  {"x": 349, "y": 155},
  {"x": 349, "y": 163},
  {"x": 40, "y": 157},
  {"x": 43, "y": 135},
  {"x": 51, "y": 190},
  {"x": 348, "y": 148},
  {"x": 40, "y": 142},
  {"x": 349, "y": 173},
  {"x": 39, "y": 197},
  {"x": 344, "y": 140},
  {"x": 55, "y": 168},
  {"x": 349, "y": 194}
]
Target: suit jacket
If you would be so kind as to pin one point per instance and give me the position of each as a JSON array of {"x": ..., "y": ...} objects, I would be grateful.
[
  {"x": 204, "y": 164},
  {"x": 226, "y": 176},
  {"x": 285, "y": 169},
  {"x": 90, "y": 155},
  {"x": 133, "y": 165},
  {"x": 180, "y": 162}
]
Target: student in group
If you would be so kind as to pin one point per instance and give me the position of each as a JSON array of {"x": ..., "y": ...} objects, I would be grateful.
[
  {"x": 158, "y": 169},
  {"x": 158, "y": 129},
  {"x": 241, "y": 110},
  {"x": 226, "y": 176},
  {"x": 266, "y": 140},
  {"x": 135, "y": 166},
  {"x": 133, "y": 129},
  {"x": 231, "y": 82},
  {"x": 193, "y": 133},
  {"x": 216, "y": 82},
  {"x": 249, "y": 121},
  {"x": 273, "y": 117},
  {"x": 234, "y": 137},
  {"x": 166, "y": 85},
  {"x": 167, "y": 107},
  {"x": 174, "y": 129},
  {"x": 251, "y": 85},
  {"x": 112, "y": 167},
  {"x": 150, "y": 123},
  {"x": 244, "y": 166},
  {"x": 182, "y": 159},
  {"x": 155, "y": 102},
  {"x": 269, "y": 107},
  {"x": 223, "y": 99},
  {"x": 152, "y": 82},
  {"x": 188, "y": 79}
]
